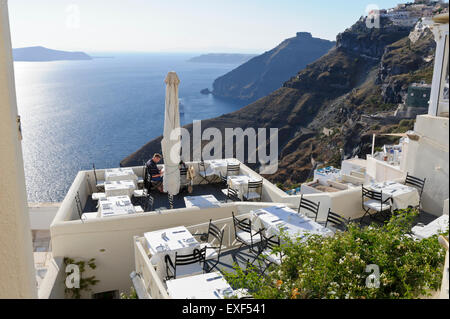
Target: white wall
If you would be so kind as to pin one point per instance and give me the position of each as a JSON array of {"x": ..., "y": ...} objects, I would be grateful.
[
  {"x": 428, "y": 158},
  {"x": 381, "y": 171},
  {"x": 110, "y": 240},
  {"x": 17, "y": 275},
  {"x": 42, "y": 215}
]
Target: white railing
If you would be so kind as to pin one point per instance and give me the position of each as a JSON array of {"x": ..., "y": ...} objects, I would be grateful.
[{"x": 153, "y": 284}]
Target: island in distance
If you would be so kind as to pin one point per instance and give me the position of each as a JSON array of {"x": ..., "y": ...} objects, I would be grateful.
[
  {"x": 225, "y": 58},
  {"x": 41, "y": 54}
]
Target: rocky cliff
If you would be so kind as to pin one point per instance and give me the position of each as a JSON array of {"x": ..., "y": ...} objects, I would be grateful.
[
  {"x": 335, "y": 103},
  {"x": 267, "y": 72}
]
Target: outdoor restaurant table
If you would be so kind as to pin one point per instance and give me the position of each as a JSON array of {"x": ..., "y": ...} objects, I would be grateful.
[
  {"x": 439, "y": 225},
  {"x": 115, "y": 206},
  {"x": 294, "y": 225},
  {"x": 203, "y": 201},
  {"x": 219, "y": 166},
  {"x": 402, "y": 195},
  {"x": 205, "y": 286},
  {"x": 240, "y": 183},
  {"x": 120, "y": 174},
  {"x": 119, "y": 188},
  {"x": 177, "y": 239}
]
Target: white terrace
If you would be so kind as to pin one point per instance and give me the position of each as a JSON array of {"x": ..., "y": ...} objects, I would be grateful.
[{"x": 110, "y": 240}]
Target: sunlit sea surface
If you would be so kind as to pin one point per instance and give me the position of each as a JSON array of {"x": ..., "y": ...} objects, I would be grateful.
[{"x": 75, "y": 113}]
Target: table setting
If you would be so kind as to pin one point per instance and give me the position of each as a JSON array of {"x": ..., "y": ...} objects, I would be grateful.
[{"x": 402, "y": 195}]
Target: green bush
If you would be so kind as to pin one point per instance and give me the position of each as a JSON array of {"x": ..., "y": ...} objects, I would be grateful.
[
  {"x": 131, "y": 295},
  {"x": 335, "y": 267}
]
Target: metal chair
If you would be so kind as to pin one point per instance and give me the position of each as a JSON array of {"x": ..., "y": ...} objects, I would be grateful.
[
  {"x": 196, "y": 260},
  {"x": 231, "y": 194},
  {"x": 184, "y": 182},
  {"x": 232, "y": 169},
  {"x": 205, "y": 173},
  {"x": 149, "y": 184},
  {"x": 375, "y": 202},
  {"x": 254, "y": 191},
  {"x": 213, "y": 252},
  {"x": 339, "y": 222},
  {"x": 141, "y": 197},
  {"x": 268, "y": 244},
  {"x": 244, "y": 233},
  {"x": 417, "y": 183},
  {"x": 149, "y": 203},
  {"x": 310, "y": 206},
  {"x": 99, "y": 184}
]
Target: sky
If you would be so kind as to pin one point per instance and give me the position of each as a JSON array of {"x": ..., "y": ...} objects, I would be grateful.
[{"x": 247, "y": 26}]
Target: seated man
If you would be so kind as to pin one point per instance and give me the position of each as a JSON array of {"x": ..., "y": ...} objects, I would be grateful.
[{"x": 153, "y": 170}]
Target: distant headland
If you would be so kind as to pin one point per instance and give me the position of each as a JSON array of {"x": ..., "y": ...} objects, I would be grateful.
[
  {"x": 41, "y": 54},
  {"x": 226, "y": 58}
]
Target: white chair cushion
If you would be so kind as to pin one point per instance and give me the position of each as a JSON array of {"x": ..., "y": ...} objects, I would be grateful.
[
  {"x": 272, "y": 257},
  {"x": 138, "y": 193},
  {"x": 245, "y": 237},
  {"x": 252, "y": 195},
  {"x": 211, "y": 253},
  {"x": 98, "y": 196},
  {"x": 376, "y": 205},
  {"x": 189, "y": 270}
]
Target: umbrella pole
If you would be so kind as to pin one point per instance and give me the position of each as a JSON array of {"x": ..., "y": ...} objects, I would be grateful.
[{"x": 170, "y": 201}]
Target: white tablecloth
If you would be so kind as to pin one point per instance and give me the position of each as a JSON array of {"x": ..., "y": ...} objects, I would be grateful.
[
  {"x": 115, "y": 206},
  {"x": 203, "y": 201},
  {"x": 120, "y": 174},
  {"x": 219, "y": 166},
  {"x": 205, "y": 286},
  {"x": 177, "y": 239},
  {"x": 119, "y": 188},
  {"x": 402, "y": 195},
  {"x": 240, "y": 183},
  {"x": 438, "y": 225},
  {"x": 281, "y": 217}
]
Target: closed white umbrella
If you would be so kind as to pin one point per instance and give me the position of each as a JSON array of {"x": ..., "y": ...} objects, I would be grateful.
[{"x": 171, "y": 142}]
